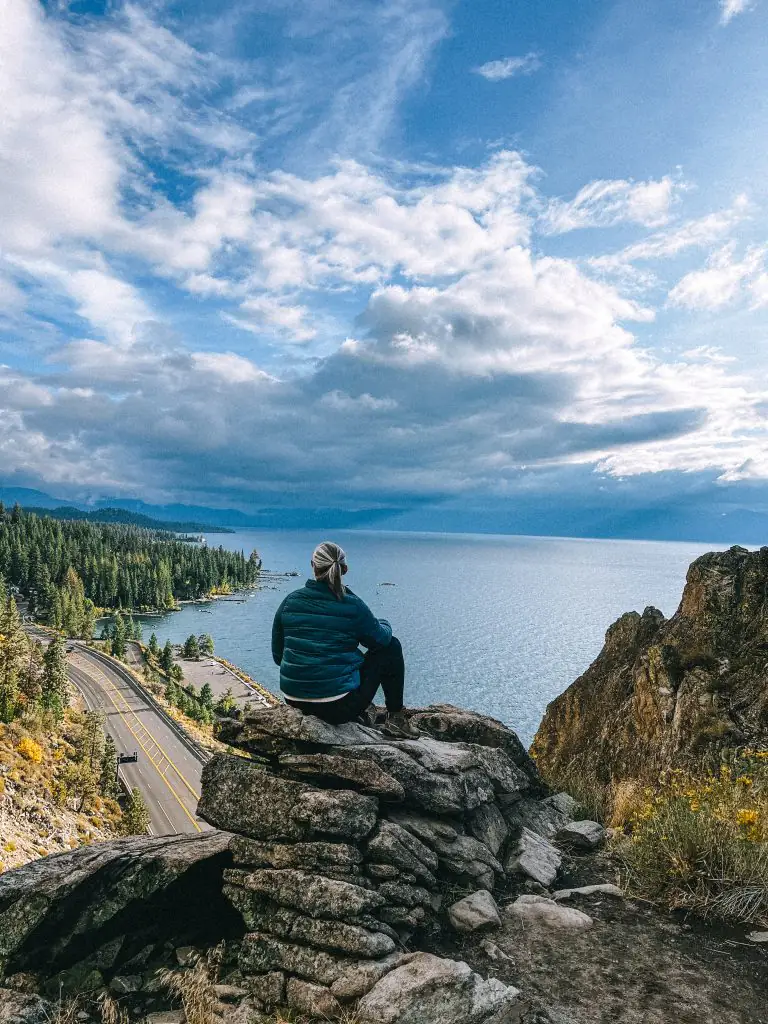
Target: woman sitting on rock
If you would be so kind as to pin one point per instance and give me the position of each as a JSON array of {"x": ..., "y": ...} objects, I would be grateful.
[{"x": 316, "y": 638}]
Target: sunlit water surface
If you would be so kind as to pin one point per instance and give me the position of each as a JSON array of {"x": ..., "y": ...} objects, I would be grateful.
[{"x": 495, "y": 623}]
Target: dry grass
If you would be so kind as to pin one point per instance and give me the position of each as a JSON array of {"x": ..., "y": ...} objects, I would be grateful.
[
  {"x": 286, "y": 1016},
  {"x": 626, "y": 800},
  {"x": 592, "y": 794},
  {"x": 194, "y": 987},
  {"x": 111, "y": 1012},
  {"x": 64, "y": 1011},
  {"x": 702, "y": 843}
]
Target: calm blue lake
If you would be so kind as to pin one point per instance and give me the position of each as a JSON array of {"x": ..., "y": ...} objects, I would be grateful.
[{"x": 495, "y": 623}]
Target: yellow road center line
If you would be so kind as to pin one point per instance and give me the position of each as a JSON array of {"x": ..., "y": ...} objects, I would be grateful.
[
  {"x": 151, "y": 761},
  {"x": 154, "y": 764},
  {"x": 143, "y": 727}
]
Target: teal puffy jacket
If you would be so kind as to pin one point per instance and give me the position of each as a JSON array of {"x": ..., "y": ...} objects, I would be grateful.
[{"x": 316, "y": 638}]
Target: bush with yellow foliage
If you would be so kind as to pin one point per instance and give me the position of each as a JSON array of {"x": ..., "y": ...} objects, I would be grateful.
[
  {"x": 702, "y": 843},
  {"x": 30, "y": 750}
]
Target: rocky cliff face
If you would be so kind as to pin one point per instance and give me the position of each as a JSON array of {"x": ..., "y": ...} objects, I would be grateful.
[{"x": 670, "y": 692}]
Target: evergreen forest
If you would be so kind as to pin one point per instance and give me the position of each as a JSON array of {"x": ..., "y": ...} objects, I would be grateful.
[{"x": 70, "y": 570}]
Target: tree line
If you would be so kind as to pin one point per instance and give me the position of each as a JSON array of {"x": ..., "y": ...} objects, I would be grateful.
[
  {"x": 69, "y": 569},
  {"x": 30, "y": 679}
]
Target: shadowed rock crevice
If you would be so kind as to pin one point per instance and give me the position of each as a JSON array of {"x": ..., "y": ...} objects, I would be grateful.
[{"x": 108, "y": 902}]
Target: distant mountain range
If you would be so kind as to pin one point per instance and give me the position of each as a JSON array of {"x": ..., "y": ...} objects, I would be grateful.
[
  {"x": 196, "y": 518},
  {"x": 701, "y": 521},
  {"x": 122, "y": 516}
]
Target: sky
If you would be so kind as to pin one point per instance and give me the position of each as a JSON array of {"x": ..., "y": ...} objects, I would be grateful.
[{"x": 463, "y": 264}]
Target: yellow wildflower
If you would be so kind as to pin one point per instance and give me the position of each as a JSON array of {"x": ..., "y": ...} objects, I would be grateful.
[{"x": 746, "y": 816}]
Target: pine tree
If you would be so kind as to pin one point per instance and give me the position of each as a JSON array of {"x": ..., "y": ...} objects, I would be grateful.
[
  {"x": 154, "y": 646},
  {"x": 89, "y": 619},
  {"x": 135, "y": 820},
  {"x": 206, "y": 696},
  {"x": 108, "y": 784},
  {"x": 14, "y": 656},
  {"x": 226, "y": 703},
  {"x": 205, "y": 642},
  {"x": 192, "y": 648},
  {"x": 166, "y": 657},
  {"x": 118, "y": 637},
  {"x": 54, "y": 695},
  {"x": 92, "y": 740}
]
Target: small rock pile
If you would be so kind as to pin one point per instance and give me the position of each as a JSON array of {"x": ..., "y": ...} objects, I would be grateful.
[{"x": 346, "y": 840}]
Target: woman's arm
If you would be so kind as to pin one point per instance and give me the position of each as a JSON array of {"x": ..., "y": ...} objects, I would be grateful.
[
  {"x": 372, "y": 632},
  {"x": 278, "y": 636}
]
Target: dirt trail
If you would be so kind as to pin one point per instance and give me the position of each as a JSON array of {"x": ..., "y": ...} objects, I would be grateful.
[{"x": 636, "y": 965}]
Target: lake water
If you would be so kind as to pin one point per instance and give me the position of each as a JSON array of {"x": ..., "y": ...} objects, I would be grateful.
[{"x": 495, "y": 623}]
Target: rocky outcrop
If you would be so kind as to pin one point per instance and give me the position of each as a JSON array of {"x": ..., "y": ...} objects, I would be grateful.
[
  {"x": 345, "y": 841},
  {"x": 93, "y": 910},
  {"x": 339, "y": 847},
  {"x": 670, "y": 692}
]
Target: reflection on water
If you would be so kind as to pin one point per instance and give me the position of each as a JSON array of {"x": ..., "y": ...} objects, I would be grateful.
[{"x": 498, "y": 624}]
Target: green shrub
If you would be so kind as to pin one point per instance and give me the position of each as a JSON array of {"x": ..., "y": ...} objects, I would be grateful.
[{"x": 702, "y": 843}]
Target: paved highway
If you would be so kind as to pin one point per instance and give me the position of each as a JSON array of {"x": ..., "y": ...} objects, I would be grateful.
[{"x": 167, "y": 771}]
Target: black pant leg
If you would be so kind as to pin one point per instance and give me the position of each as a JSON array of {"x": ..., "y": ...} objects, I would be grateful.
[{"x": 383, "y": 667}]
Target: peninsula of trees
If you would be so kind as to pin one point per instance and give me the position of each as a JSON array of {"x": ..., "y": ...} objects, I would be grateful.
[{"x": 69, "y": 570}]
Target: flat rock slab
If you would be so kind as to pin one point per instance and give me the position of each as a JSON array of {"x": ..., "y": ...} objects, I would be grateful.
[
  {"x": 535, "y": 857},
  {"x": 434, "y": 779},
  {"x": 360, "y": 774},
  {"x": 431, "y": 990},
  {"x": 539, "y": 912},
  {"x": 307, "y": 997},
  {"x": 478, "y": 910},
  {"x": 360, "y": 978},
  {"x": 545, "y": 817},
  {"x": 240, "y": 796},
  {"x": 305, "y": 856},
  {"x": 261, "y": 953},
  {"x": 314, "y": 895},
  {"x": 600, "y": 888},
  {"x": 582, "y": 835},
  {"x": 460, "y": 855},
  {"x": 261, "y": 914},
  {"x": 284, "y": 730},
  {"x": 457, "y": 725}
]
